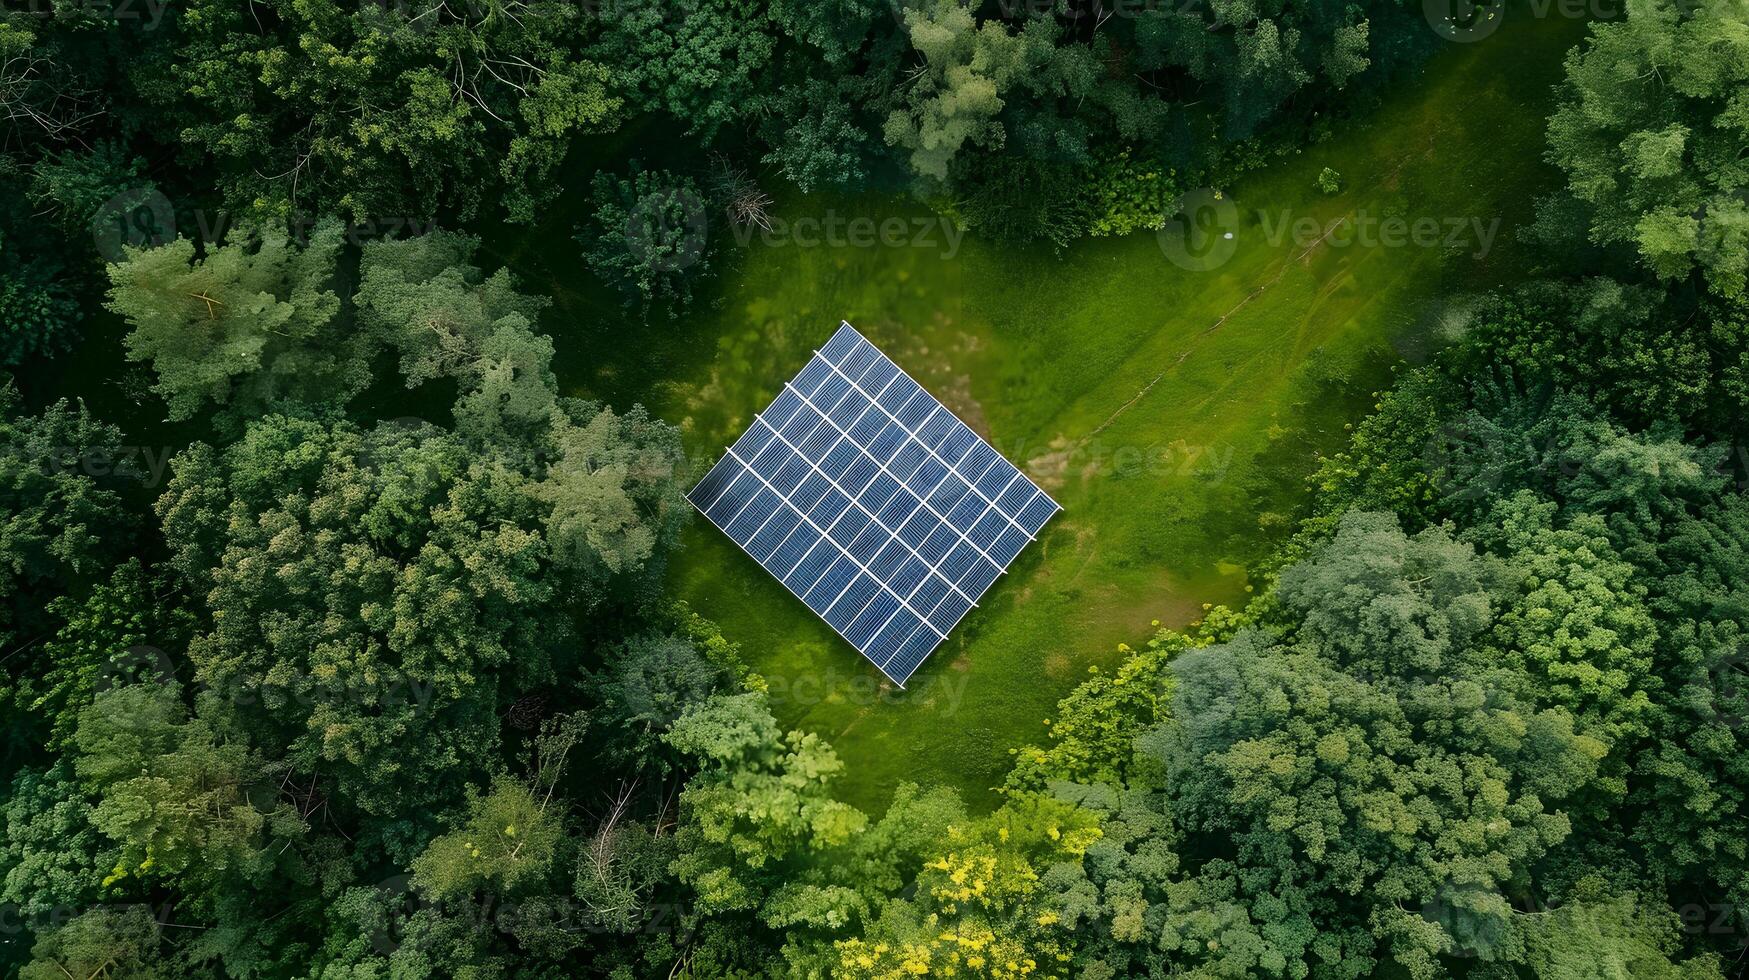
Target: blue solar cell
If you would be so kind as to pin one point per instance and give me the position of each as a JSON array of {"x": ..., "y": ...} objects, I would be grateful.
[
  {"x": 872, "y": 617},
  {"x": 808, "y": 571},
  {"x": 899, "y": 509},
  {"x": 948, "y": 493},
  {"x": 929, "y": 593},
  {"x": 910, "y": 458},
  {"x": 966, "y": 512},
  {"x": 957, "y": 443},
  {"x": 870, "y": 501},
  {"x": 790, "y": 475},
  {"x": 1008, "y": 545},
  {"x": 812, "y": 490},
  {"x": 997, "y": 478},
  {"x": 753, "y": 516},
  {"x": 935, "y": 431},
  {"x": 730, "y": 501},
  {"x": 797, "y": 426},
  {"x": 856, "y": 595},
  {"x": 842, "y": 343},
  {"x": 979, "y": 577},
  {"x": 834, "y": 387},
  {"x": 892, "y": 635},
  {"x": 839, "y": 459},
  {"x": 879, "y": 491},
  {"x": 869, "y": 543},
  {"x": 911, "y": 571},
  {"x": 1015, "y": 497},
  {"x": 878, "y": 377},
  {"x": 976, "y": 462},
  {"x": 792, "y": 550},
  {"x": 898, "y": 393},
  {"x": 849, "y": 409},
  {"x": 818, "y": 442},
  {"x": 714, "y": 482},
  {"x": 831, "y": 585},
  {"x": 889, "y": 559},
  {"x": 952, "y": 609},
  {"x": 808, "y": 382},
  {"x": 1034, "y": 515},
  {"x": 958, "y": 561},
  {"x": 917, "y": 410},
  {"x": 787, "y": 404},
  {"x": 886, "y": 443},
  {"x": 775, "y": 531},
  {"x": 927, "y": 478},
  {"x": 917, "y": 647},
  {"x": 939, "y": 542},
  {"x": 988, "y": 529},
  {"x": 859, "y": 360},
  {"x": 756, "y": 437},
  {"x": 847, "y": 527}
]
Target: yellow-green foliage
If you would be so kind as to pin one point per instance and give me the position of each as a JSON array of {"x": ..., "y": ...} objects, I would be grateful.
[
  {"x": 1129, "y": 195},
  {"x": 1092, "y": 737}
]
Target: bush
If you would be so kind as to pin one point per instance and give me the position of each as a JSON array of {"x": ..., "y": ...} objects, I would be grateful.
[{"x": 648, "y": 235}]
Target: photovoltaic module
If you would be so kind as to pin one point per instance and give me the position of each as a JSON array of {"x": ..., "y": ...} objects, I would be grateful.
[{"x": 873, "y": 503}]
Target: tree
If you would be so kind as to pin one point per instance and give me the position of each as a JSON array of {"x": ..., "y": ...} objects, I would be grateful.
[
  {"x": 388, "y": 110},
  {"x": 248, "y": 325},
  {"x": 648, "y": 235},
  {"x": 759, "y": 801},
  {"x": 172, "y": 791},
  {"x": 102, "y": 944},
  {"x": 36, "y": 313},
  {"x": 508, "y": 842},
  {"x": 1652, "y": 135},
  {"x": 51, "y": 855}
]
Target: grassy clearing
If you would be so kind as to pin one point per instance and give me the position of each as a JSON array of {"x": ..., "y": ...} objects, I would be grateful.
[{"x": 1174, "y": 413}]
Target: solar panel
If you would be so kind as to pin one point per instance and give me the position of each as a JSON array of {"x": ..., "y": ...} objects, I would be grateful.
[{"x": 872, "y": 503}]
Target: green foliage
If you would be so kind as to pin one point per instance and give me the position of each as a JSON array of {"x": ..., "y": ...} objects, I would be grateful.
[
  {"x": 509, "y": 840},
  {"x": 760, "y": 799},
  {"x": 648, "y": 235},
  {"x": 243, "y": 327},
  {"x": 1329, "y": 181},
  {"x": 52, "y": 857},
  {"x": 36, "y": 313},
  {"x": 172, "y": 791},
  {"x": 103, "y": 942},
  {"x": 1653, "y": 134},
  {"x": 388, "y": 110},
  {"x": 59, "y": 525}
]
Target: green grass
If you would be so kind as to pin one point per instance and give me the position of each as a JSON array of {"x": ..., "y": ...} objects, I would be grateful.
[{"x": 1174, "y": 414}]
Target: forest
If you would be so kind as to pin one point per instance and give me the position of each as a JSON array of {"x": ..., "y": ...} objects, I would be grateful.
[{"x": 356, "y": 357}]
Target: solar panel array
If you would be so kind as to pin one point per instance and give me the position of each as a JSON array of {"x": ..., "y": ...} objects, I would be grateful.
[{"x": 872, "y": 503}]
